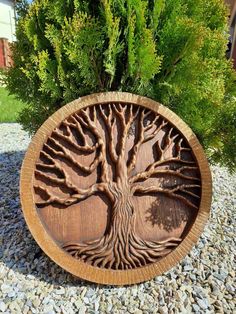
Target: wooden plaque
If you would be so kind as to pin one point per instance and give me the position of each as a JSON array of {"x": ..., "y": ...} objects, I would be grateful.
[{"x": 115, "y": 188}]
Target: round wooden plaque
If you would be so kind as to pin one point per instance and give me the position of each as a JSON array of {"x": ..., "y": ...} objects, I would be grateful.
[{"x": 115, "y": 188}]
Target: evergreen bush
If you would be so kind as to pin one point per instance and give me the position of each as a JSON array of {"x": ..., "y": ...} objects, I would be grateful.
[{"x": 170, "y": 50}]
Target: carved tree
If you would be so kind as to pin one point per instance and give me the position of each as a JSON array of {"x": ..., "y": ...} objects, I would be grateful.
[{"x": 103, "y": 130}]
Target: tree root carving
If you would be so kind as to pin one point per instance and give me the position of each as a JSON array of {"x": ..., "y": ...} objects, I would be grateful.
[{"x": 107, "y": 252}]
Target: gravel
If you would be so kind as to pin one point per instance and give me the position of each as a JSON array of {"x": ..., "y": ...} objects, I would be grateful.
[{"x": 204, "y": 282}]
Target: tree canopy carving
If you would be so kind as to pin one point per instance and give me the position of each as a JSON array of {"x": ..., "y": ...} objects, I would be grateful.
[{"x": 102, "y": 133}]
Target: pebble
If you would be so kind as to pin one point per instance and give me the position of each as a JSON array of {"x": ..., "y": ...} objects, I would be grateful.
[
  {"x": 96, "y": 306},
  {"x": 230, "y": 288},
  {"x": 30, "y": 283},
  {"x": 36, "y": 302},
  {"x": 3, "y": 306},
  {"x": 203, "y": 303},
  {"x": 82, "y": 310},
  {"x": 188, "y": 268},
  {"x": 60, "y": 291},
  {"x": 164, "y": 310},
  {"x": 196, "y": 308}
]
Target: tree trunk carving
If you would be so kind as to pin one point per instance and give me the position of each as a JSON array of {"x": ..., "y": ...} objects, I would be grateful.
[{"x": 103, "y": 130}]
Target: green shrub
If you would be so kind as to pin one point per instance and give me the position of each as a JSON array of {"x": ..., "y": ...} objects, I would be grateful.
[{"x": 170, "y": 50}]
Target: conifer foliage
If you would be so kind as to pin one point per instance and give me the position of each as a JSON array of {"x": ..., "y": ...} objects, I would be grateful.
[{"x": 170, "y": 50}]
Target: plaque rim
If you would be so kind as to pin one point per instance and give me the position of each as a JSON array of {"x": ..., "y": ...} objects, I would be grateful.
[{"x": 77, "y": 267}]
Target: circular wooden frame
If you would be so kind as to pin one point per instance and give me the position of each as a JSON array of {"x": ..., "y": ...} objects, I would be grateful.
[{"x": 77, "y": 267}]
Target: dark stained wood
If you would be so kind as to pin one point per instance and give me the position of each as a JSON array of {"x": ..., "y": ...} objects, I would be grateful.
[{"x": 117, "y": 184}]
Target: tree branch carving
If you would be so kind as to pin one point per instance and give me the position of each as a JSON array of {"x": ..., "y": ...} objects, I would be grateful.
[{"x": 101, "y": 132}]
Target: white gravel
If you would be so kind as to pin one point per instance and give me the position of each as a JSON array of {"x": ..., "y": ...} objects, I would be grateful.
[{"x": 204, "y": 282}]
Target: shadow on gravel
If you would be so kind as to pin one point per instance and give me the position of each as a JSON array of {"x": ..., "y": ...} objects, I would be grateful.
[{"x": 18, "y": 250}]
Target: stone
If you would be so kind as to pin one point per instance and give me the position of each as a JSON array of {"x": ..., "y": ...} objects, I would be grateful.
[
  {"x": 188, "y": 268},
  {"x": 83, "y": 292},
  {"x": 195, "y": 307},
  {"x": 60, "y": 291},
  {"x": 86, "y": 300},
  {"x": 230, "y": 288},
  {"x": 96, "y": 305},
  {"x": 78, "y": 303},
  {"x": 203, "y": 303},
  {"x": 36, "y": 279},
  {"x": 5, "y": 288},
  {"x": 36, "y": 303},
  {"x": 3, "y": 306},
  {"x": 82, "y": 309},
  {"x": 163, "y": 310}
]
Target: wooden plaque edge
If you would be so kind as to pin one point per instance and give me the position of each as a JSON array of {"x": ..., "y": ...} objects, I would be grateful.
[{"x": 81, "y": 269}]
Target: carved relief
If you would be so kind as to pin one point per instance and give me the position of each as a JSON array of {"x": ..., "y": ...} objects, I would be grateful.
[{"x": 110, "y": 137}]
